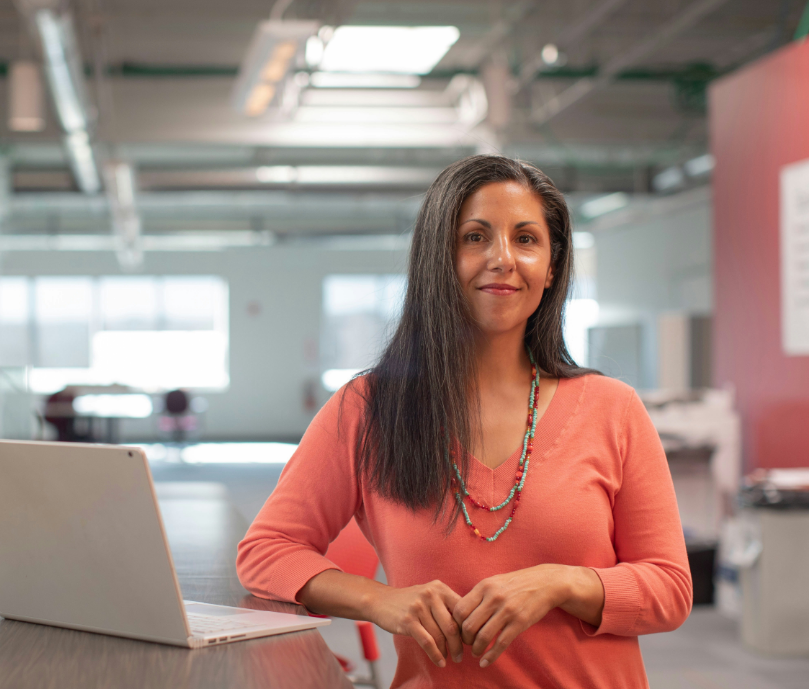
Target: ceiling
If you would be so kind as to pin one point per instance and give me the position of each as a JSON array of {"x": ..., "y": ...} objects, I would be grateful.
[{"x": 160, "y": 74}]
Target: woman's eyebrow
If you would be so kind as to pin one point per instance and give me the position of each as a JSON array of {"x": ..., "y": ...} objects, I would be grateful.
[
  {"x": 485, "y": 223},
  {"x": 488, "y": 225}
]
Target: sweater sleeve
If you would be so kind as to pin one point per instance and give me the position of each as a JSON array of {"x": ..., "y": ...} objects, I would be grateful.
[
  {"x": 316, "y": 496},
  {"x": 649, "y": 589}
]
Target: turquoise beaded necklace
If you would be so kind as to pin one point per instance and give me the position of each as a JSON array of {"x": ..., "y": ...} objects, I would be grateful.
[{"x": 522, "y": 471}]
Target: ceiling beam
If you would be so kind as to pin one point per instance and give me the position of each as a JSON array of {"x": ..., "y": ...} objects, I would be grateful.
[
  {"x": 571, "y": 35},
  {"x": 586, "y": 86}
]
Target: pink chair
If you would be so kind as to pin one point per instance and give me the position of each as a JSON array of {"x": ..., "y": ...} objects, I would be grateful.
[{"x": 352, "y": 553}]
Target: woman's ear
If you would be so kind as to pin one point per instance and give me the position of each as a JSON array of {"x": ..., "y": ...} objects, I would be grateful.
[{"x": 549, "y": 277}]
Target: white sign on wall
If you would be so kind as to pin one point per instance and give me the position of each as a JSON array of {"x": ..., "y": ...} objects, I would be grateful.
[{"x": 795, "y": 258}]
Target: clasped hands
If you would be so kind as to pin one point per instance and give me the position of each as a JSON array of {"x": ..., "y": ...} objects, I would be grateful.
[{"x": 492, "y": 614}]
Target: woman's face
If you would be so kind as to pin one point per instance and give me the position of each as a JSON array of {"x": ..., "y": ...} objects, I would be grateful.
[{"x": 503, "y": 255}]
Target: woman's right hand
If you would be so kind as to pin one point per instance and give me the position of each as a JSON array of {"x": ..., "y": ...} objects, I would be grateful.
[{"x": 423, "y": 612}]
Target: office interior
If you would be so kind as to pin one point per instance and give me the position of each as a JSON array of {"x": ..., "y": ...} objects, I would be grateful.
[{"x": 206, "y": 212}]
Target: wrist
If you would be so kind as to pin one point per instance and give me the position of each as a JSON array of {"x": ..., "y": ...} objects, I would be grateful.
[
  {"x": 567, "y": 585},
  {"x": 372, "y": 601}
]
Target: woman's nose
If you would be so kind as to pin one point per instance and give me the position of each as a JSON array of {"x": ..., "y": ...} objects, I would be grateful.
[{"x": 501, "y": 255}]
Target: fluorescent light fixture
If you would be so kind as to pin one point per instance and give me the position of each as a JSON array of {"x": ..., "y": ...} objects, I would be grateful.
[
  {"x": 394, "y": 49},
  {"x": 63, "y": 68},
  {"x": 337, "y": 175},
  {"x": 277, "y": 174},
  {"x": 274, "y": 50},
  {"x": 314, "y": 51},
  {"x": 349, "y": 80},
  {"x": 82, "y": 162},
  {"x": 412, "y": 116},
  {"x": 335, "y": 378},
  {"x": 701, "y": 165},
  {"x": 583, "y": 240},
  {"x": 669, "y": 179},
  {"x": 129, "y": 406},
  {"x": 25, "y": 107},
  {"x": 604, "y": 204}
]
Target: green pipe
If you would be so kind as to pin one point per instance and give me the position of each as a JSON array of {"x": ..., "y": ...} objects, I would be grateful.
[{"x": 141, "y": 70}]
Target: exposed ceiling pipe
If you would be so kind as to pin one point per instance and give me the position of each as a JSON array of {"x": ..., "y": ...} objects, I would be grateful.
[
  {"x": 584, "y": 87},
  {"x": 64, "y": 69}
]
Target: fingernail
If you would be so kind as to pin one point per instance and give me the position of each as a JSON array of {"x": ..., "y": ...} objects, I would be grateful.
[
  {"x": 484, "y": 663},
  {"x": 442, "y": 663},
  {"x": 458, "y": 658}
]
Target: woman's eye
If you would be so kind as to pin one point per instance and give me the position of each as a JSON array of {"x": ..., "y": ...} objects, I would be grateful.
[
  {"x": 525, "y": 239},
  {"x": 474, "y": 237}
]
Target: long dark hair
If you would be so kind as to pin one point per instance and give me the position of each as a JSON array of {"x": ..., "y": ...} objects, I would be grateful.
[{"x": 418, "y": 394}]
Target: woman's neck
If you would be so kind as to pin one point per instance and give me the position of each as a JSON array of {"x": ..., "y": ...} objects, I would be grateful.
[{"x": 501, "y": 358}]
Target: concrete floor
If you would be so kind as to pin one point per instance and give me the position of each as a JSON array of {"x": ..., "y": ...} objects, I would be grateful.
[{"x": 705, "y": 653}]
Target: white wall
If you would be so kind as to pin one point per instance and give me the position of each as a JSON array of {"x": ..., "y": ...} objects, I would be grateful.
[
  {"x": 660, "y": 262},
  {"x": 272, "y": 353}
]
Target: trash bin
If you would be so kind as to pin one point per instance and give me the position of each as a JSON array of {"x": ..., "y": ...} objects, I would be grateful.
[{"x": 774, "y": 573}]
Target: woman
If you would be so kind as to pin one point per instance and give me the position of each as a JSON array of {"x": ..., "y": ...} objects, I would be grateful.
[{"x": 530, "y": 567}]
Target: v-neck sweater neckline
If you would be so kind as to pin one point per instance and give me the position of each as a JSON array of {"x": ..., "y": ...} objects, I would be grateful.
[{"x": 486, "y": 483}]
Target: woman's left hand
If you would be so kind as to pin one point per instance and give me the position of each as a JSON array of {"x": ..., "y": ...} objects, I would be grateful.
[{"x": 500, "y": 608}]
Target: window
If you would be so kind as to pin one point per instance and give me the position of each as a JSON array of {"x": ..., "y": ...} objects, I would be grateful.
[
  {"x": 14, "y": 313},
  {"x": 360, "y": 313},
  {"x": 147, "y": 332}
]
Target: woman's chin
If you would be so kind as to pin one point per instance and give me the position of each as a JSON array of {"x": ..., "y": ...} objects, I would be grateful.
[{"x": 497, "y": 328}]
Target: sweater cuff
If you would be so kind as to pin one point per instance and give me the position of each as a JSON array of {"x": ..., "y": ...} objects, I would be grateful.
[
  {"x": 621, "y": 602},
  {"x": 291, "y": 573}
]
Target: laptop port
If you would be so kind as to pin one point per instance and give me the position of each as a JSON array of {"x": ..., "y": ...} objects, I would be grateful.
[
  {"x": 223, "y": 638},
  {"x": 211, "y": 641}
]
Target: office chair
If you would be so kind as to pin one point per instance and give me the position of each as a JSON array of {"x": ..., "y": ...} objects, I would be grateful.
[
  {"x": 352, "y": 553},
  {"x": 176, "y": 419}
]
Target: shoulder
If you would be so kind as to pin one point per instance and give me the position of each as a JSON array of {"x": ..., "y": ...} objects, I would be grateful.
[
  {"x": 609, "y": 388},
  {"x": 347, "y": 405},
  {"x": 604, "y": 396}
]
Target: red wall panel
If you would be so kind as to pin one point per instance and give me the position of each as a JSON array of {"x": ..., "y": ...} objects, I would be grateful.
[{"x": 759, "y": 122}]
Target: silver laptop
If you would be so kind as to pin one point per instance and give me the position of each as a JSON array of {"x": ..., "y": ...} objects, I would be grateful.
[{"x": 82, "y": 546}]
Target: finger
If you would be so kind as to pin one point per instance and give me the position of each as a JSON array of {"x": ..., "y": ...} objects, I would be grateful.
[
  {"x": 449, "y": 628},
  {"x": 475, "y": 621},
  {"x": 464, "y": 607},
  {"x": 449, "y": 597},
  {"x": 488, "y": 632},
  {"x": 434, "y": 630},
  {"x": 427, "y": 642},
  {"x": 507, "y": 635}
]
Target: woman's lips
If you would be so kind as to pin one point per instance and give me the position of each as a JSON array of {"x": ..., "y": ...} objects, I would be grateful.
[{"x": 499, "y": 289}]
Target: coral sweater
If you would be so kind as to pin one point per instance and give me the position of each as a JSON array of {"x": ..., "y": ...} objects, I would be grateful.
[{"x": 598, "y": 494}]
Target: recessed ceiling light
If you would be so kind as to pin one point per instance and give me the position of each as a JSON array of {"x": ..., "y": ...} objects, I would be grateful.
[
  {"x": 392, "y": 49},
  {"x": 550, "y": 54}
]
